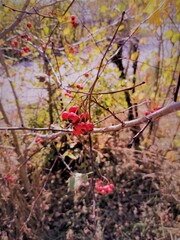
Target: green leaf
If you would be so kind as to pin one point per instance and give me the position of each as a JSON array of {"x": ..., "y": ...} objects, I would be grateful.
[
  {"x": 71, "y": 183},
  {"x": 66, "y": 31},
  {"x": 70, "y": 154},
  {"x": 169, "y": 34},
  {"x": 175, "y": 37},
  {"x": 46, "y": 30},
  {"x": 121, "y": 7},
  {"x": 76, "y": 180}
]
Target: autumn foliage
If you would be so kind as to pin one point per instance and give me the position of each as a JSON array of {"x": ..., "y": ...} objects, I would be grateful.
[{"x": 89, "y": 120}]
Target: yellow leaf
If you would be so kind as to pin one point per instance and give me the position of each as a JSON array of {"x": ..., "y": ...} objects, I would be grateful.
[
  {"x": 143, "y": 40},
  {"x": 169, "y": 34},
  {"x": 175, "y": 37},
  {"x": 46, "y": 30},
  {"x": 103, "y": 9},
  {"x": 134, "y": 56},
  {"x": 63, "y": 19},
  {"x": 121, "y": 27},
  {"x": 66, "y": 31}
]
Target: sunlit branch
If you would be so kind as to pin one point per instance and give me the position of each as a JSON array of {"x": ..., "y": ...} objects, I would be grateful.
[{"x": 172, "y": 107}]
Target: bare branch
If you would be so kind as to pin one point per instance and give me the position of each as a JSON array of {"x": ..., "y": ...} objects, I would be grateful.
[{"x": 172, "y": 107}]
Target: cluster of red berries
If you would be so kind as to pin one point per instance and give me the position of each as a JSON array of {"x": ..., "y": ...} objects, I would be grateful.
[
  {"x": 80, "y": 124},
  {"x": 26, "y": 37},
  {"x": 154, "y": 110},
  {"x": 68, "y": 94},
  {"x": 104, "y": 189},
  {"x": 25, "y": 49},
  {"x": 39, "y": 140},
  {"x": 80, "y": 87},
  {"x": 73, "y": 21},
  {"x": 10, "y": 179}
]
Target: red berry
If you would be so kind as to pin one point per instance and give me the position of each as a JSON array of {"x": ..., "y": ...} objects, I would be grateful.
[
  {"x": 147, "y": 113},
  {"x": 26, "y": 49},
  {"x": 110, "y": 190},
  {"x": 74, "y": 24},
  {"x": 76, "y": 132},
  {"x": 28, "y": 38},
  {"x": 79, "y": 87},
  {"x": 24, "y": 36},
  {"x": 83, "y": 128},
  {"x": 29, "y": 24},
  {"x": 89, "y": 126},
  {"x": 73, "y": 117},
  {"x": 111, "y": 186},
  {"x": 10, "y": 179},
  {"x": 86, "y": 74},
  {"x": 21, "y": 52},
  {"x": 103, "y": 192},
  {"x": 73, "y": 21},
  {"x": 14, "y": 43},
  {"x": 39, "y": 140},
  {"x": 68, "y": 95},
  {"x": 74, "y": 109},
  {"x": 84, "y": 116},
  {"x": 65, "y": 115},
  {"x": 80, "y": 128},
  {"x": 157, "y": 108},
  {"x": 106, "y": 188},
  {"x": 99, "y": 188},
  {"x": 73, "y": 18}
]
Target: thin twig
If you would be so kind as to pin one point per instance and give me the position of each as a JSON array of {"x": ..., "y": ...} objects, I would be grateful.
[
  {"x": 93, "y": 184},
  {"x": 68, "y": 7},
  {"x": 177, "y": 89},
  {"x": 108, "y": 110},
  {"x": 38, "y": 196},
  {"x": 138, "y": 134},
  {"x": 102, "y": 60},
  {"x": 106, "y": 93}
]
